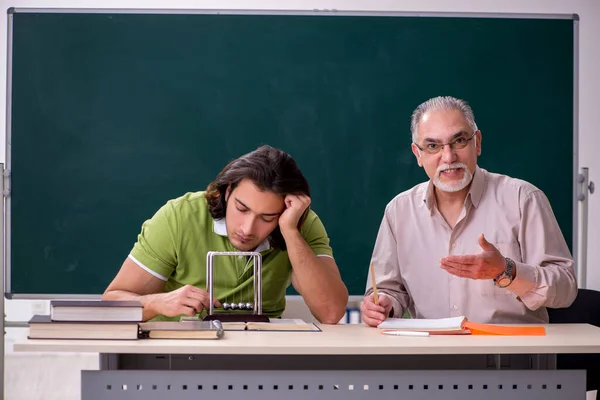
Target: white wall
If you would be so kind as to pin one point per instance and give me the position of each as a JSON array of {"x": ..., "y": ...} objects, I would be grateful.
[{"x": 589, "y": 65}]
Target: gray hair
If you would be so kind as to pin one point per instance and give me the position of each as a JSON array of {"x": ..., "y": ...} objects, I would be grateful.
[{"x": 441, "y": 103}]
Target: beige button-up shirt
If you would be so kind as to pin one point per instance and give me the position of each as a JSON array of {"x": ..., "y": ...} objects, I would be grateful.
[{"x": 513, "y": 215}]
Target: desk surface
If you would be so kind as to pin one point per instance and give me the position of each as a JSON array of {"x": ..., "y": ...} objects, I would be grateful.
[{"x": 341, "y": 340}]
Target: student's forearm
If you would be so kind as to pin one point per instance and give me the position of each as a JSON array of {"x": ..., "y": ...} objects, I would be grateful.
[
  {"x": 321, "y": 287},
  {"x": 147, "y": 301}
]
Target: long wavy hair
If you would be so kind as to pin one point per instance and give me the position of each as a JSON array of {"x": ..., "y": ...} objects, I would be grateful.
[{"x": 270, "y": 169}]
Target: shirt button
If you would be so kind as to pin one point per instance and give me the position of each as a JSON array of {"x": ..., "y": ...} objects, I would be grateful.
[
  {"x": 455, "y": 307},
  {"x": 453, "y": 245}
]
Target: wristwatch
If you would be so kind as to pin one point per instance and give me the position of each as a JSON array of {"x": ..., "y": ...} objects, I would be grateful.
[{"x": 506, "y": 277}]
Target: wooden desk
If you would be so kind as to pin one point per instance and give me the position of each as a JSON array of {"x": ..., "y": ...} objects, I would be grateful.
[{"x": 343, "y": 361}]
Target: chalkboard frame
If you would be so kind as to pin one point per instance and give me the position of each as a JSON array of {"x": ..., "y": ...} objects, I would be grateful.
[{"x": 324, "y": 13}]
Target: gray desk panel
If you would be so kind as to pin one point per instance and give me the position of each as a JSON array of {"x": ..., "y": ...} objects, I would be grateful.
[{"x": 315, "y": 385}]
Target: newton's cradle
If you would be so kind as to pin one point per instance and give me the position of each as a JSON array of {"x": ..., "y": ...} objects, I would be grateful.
[{"x": 254, "y": 310}]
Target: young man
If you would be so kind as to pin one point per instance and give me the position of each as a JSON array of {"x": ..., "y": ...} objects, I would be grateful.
[
  {"x": 467, "y": 242},
  {"x": 258, "y": 202}
]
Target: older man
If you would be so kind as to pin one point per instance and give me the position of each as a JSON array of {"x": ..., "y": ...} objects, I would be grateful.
[{"x": 467, "y": 242}]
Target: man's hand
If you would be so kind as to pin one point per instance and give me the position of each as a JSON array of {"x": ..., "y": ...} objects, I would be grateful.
[
  {"x": 373, "y": 314},
  {"x": 188, "y": 300},
  {"x": 295, "y": 205},
  {"x": 486, "y": 265}
]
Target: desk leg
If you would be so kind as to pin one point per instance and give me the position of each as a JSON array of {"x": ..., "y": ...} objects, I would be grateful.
[
  {"x": 109, "y": 361},
  {"x": 543, "y": 361},
  {"x": 520, "y": 361}
]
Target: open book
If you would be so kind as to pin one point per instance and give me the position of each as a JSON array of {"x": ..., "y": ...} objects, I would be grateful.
[
  {"x": 441, "y": 326},
  {"x": 182, "y": 330},
  {"x": 276, "y": 324},
  {"x": 458, "y": 326}
]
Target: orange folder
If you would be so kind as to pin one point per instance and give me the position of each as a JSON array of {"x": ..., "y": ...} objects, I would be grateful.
[{"x": 487, "y": 329}]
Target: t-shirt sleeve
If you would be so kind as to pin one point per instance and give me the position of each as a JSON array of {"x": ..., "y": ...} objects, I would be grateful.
[
  {"x": 156, "y": 246},
  {"x": 315, "y": 235}
]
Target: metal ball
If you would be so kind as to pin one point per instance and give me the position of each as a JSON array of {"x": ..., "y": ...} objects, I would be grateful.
[
  {"x": 226, "y": 306},
  {"x": 234, "y": 306},
  {"x": 249, "y": 306},
  {"x": 242, "y": 306}
]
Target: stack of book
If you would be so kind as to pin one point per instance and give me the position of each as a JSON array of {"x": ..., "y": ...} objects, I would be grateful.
[
  {"x": 88, "y": 319},
  {"x": 85, "y": 319}
]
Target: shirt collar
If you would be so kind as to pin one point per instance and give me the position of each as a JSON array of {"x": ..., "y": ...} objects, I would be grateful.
[
  {"x": 474, "y": 195},
  {"x": 220, "y": 228},
  {"x": 477, "y": 187},
  {"x": 429, "y": 197}
]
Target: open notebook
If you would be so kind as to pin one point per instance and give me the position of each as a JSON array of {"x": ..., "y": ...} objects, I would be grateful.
[
  {"x": 441, "y": 326},
  {"x": 458, "y": 326},
  {"x": 275, "y": 324}
]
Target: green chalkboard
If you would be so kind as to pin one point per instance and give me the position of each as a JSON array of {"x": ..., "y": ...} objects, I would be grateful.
[{"x": 112, "y": 114}]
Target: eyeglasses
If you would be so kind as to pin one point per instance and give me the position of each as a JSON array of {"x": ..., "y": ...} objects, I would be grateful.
[{"x": 457, "y": 144}]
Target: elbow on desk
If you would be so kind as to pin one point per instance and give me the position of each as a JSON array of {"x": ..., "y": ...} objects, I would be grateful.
[
  {"x": 332, "y": 318},
  {"x": 332, "y": 314}
]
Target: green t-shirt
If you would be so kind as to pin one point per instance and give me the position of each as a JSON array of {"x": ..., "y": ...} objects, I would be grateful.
[{"x": 173, "y": 244}]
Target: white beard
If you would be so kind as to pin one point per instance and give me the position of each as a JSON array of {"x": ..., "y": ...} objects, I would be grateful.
[{"x": 455, "y": 186}]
